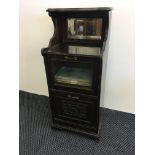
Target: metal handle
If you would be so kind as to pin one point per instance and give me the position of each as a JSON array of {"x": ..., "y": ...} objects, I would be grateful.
[
  {"x": 75, "y": 58},
  {"x": 73, "y": 97},
  {"x": 71, "y": 58}
]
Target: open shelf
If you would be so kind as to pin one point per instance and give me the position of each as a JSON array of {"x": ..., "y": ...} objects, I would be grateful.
[{"x": 76, "y": 50}]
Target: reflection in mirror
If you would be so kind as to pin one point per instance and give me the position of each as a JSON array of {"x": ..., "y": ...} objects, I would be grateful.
[
  {"x": 84, "y": 28},
  {"x": 84, "y": 50}
]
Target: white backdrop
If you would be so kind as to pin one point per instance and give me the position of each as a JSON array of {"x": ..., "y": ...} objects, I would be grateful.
[{"x": 36, "y": 29}]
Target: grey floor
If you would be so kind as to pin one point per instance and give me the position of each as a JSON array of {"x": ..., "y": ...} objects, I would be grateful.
[{"x": 38, "y": 138}]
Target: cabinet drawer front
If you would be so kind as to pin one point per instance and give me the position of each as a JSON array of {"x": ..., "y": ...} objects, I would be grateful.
[{"x": 74, "y": 96}]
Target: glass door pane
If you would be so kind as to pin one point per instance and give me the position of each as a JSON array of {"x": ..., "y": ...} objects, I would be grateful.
[
  {"x": 78, "y": 75},
  {"x": 74, "y": 75}
]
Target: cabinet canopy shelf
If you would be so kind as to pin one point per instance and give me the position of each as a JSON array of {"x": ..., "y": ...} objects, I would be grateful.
[
  {"x": 68, "y": 10},
  {"x": 86, "y": 26}
]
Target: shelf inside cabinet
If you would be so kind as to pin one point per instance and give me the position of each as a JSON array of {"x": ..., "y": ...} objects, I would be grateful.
[
  {"x": 80, "y": 76},
  {"x": 76, "y": 50}
]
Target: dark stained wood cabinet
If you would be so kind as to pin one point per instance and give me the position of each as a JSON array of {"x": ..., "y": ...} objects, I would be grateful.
[{"x": 75, "y": 63}]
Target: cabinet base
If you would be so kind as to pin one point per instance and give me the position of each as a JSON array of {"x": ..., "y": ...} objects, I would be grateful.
[{"x": 80, "y": 131}]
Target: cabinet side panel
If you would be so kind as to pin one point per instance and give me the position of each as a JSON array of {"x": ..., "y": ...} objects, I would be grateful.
[{"x": 104, "y": 64}]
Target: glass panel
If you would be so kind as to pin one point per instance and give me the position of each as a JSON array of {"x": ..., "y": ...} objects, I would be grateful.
[
  {"x": 72, "y": 49},
  {"x": 84, "y": 50},
  {"x": 75, "y": 75},
  {"x": 84, "y": 28}
]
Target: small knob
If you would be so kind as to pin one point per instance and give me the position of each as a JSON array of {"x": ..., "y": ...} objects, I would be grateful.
[
  {"x": 75, "y": 58},
  {"x": 69, "y": 96},
  {"x": 66, "y": 57}
]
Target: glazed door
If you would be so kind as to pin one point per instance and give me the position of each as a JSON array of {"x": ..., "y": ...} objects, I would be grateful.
[{"x": 72, "y": 73}]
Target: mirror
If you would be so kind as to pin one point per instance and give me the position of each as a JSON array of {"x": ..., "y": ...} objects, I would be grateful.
[
  {"x": 84, "y": 28},
  {"x": 84, "y": 50}
]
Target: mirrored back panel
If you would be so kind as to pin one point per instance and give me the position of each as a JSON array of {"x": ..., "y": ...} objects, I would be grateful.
[
  {"x": 84, "y": 28},
  {"x": 84, "y": 50}
]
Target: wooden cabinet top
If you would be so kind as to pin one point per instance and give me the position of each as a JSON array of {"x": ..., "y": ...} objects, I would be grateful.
[{"x": 100, "y": 9}]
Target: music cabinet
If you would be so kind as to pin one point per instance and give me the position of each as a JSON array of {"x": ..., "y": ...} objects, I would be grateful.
[{"x": 75, "y": 61}]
